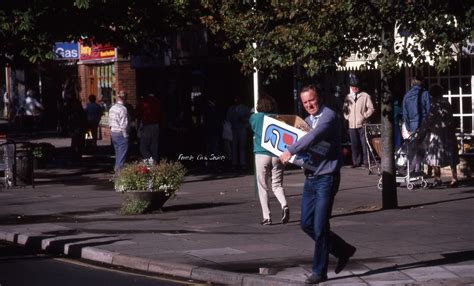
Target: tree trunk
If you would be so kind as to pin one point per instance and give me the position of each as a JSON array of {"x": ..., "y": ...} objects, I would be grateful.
[{"x": 389, "y": 187}]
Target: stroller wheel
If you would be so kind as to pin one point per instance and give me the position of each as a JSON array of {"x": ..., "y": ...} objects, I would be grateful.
[
  {"x": 379, "y": 185},
  {"x": 410, "y": 186}
]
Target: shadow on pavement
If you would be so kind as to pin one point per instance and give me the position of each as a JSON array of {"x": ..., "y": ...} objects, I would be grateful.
[
  {"x": 375, "y": 210},
  {"x": 196, "y": 206}
]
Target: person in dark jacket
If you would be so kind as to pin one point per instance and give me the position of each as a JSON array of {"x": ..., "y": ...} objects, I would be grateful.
[
  {"x": 416, "y": 105},
  {"x": 321, "y": 185},
  {"x": 94, "y": 113}
]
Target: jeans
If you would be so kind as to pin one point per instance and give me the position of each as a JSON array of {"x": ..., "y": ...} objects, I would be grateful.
[
  {"x": 316, "y": 207},
  {"x": 121, "y": 149}
]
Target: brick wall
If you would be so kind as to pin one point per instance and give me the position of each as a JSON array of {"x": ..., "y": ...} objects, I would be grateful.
[
  {"x": 82, "y": 70},
  {"x": 125, "y": 79}
]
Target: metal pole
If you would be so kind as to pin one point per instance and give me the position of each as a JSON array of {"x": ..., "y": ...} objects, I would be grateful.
[
  {"x": 7, "y": 87},
  {"x": 255, "y": 82}
]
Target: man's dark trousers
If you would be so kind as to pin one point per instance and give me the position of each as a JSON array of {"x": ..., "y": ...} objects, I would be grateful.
[
  {"x": 316, "y": 207},
  {"x": 358, "y": 143}
]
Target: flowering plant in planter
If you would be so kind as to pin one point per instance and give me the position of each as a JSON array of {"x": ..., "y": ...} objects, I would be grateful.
[
  {"x": 167, "y": 176},
  {"x": 148, "y": 186}
]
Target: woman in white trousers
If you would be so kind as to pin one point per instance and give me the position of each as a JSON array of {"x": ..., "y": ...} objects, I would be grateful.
[{"x": 269, "y": 169}]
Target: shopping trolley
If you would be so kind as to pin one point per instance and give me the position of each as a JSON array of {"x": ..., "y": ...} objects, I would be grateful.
[{"x": 372, "y": 137}]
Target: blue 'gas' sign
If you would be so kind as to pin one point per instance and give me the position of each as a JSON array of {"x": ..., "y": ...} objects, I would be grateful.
[{"x": 66, "y": 51}]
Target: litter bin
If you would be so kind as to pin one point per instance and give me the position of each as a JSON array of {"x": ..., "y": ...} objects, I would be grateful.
[{"x": 24, "y": 166}]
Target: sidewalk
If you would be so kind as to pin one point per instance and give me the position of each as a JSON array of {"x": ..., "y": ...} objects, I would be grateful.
[{"x": 211, "y": 232}]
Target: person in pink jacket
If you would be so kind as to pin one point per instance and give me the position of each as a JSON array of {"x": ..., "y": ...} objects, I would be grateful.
[{"x": 358, "y": 107}]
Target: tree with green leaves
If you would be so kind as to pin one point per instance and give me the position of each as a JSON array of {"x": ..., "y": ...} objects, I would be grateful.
[
  {"x": 29, "y": 28},
  {"x": 320, "y": 34}
]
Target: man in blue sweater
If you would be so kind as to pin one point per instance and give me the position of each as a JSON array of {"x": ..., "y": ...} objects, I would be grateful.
[
  {"x": 416, "y": 106},
  {"x": 321, "y": 185}
]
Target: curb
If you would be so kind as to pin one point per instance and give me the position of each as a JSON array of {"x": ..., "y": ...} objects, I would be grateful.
[{"x": 40, "y": 241}]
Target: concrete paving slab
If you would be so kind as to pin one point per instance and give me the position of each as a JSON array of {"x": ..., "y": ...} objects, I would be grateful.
[
  {"x": 427, "y": 273},
  {"x": 388, "y": 276},
  {"x": 461, "y": 270}
]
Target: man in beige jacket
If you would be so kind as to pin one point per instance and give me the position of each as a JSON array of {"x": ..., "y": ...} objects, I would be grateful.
[{"x": 358, "y": 108}]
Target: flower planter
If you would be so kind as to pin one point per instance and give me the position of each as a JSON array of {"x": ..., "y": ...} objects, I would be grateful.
[
  {"x": 155, "y": 200},
  {"x": 147, "y": 186}
]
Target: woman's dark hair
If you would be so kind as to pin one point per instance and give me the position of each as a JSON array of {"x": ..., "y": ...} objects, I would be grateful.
[
  {"x": 436, "y": 91},
  {"x": 266, "y": 103}
]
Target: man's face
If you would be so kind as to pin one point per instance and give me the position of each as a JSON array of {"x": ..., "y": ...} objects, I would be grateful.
[
  {"x": 310, "y": 101},
  {"x": 354, "y": 89}
]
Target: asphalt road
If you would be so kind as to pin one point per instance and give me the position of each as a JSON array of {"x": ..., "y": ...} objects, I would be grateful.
[{"x": 19, "y": 266}]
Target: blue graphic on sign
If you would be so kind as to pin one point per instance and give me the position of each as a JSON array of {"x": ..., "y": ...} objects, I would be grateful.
[
  {"x": 66, "y": 51},
  {"x": 279, "y": 137}
]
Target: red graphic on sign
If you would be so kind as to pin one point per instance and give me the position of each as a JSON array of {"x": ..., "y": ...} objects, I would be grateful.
[{"x": 287, "y": 139}]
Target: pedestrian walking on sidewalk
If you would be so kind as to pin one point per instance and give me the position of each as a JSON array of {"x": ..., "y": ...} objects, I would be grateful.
[
  {"x": 118, "y": 122},
  {"x": 321, "y": 186},
  {"x": 269, "y": 169}
]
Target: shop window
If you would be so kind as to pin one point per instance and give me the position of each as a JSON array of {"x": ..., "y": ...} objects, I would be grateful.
[
  {"x": 455, "y": 104},
  {"x": 467, "y": 124},
  {"x": 454, "y": 86},
  {"x": 105, "y": 79},
  {"x": 466, "y": 85},
  {"x": 467, "y": 105}
]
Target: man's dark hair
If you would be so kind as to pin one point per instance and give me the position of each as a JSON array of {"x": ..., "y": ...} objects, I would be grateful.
[
  {"x": 314, "y": 88},
  {"x": 92, "y": 98},
  {"x": 309, "y": 87}
]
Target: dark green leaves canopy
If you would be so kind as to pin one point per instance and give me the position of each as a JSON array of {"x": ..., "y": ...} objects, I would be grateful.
[{"x": 319, "y": 34}]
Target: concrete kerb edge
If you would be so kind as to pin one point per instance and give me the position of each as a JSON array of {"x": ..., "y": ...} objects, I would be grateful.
[
  {"x": 216, "y": 276},
  {"x": 185, "y": 271},
  {"x": 9, "y": 236}
]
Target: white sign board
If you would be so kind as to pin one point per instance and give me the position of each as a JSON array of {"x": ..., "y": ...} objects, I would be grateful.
[{"x": 278, "y": 134}]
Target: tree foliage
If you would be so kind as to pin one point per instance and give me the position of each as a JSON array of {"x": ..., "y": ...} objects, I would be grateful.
[
  {"x": 29, "y": 28},
  {"x": 319, "y": 34}
]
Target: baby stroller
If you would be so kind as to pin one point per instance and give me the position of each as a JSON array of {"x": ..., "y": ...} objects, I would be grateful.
[{"x": 403, "y": 175}]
